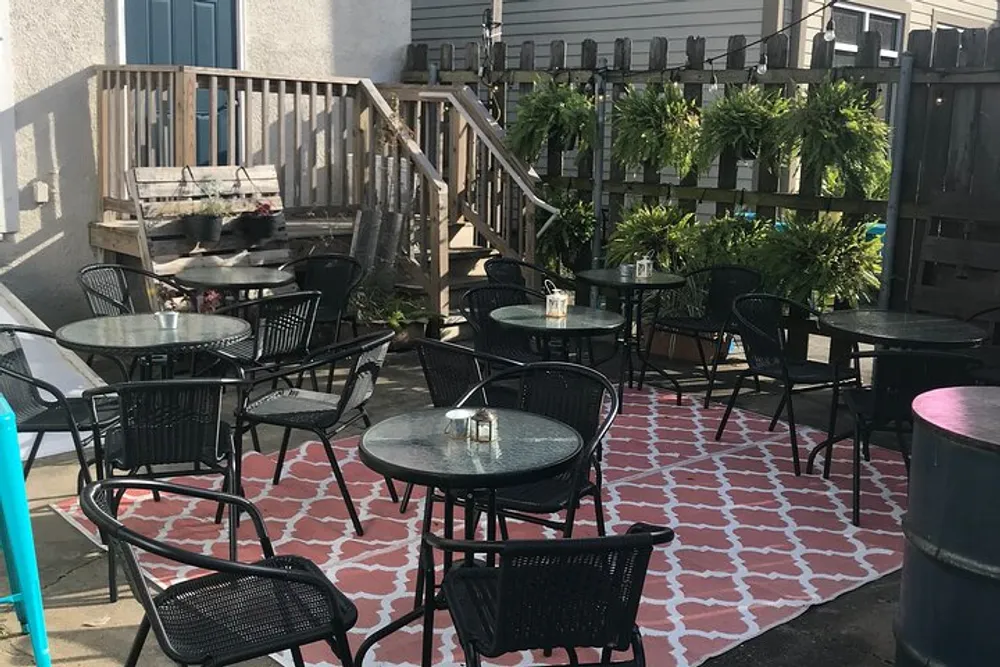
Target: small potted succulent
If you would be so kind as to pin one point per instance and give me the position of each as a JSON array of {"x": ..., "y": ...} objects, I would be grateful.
[
  {"x": 205, "y": 225},
  {"x": 259, "y": 224}
]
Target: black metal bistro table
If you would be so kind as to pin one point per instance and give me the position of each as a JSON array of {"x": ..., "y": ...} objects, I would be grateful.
[
  {"x": 907, "y": 331},
  {"x": 418, "y": 448},
  {"x": 580, "y": 322},
  {"x": 628, "y": 287},
  {"x": 902, "y": 330},
  {"x": 234, "y": 279},
  {"x": 142, "y": 336}
]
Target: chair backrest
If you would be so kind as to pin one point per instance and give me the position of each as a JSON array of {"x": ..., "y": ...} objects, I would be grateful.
[
  {"x": 572, "y": 593},
  {"x": 369, "y": 356},
  {"x": 23, "y": 397},
  {"x": 451, "y": 370},
  {"x": 572, "y": 394},
  {"x": 902, "y": 375},
  {"x": 760, "y": 323},
  {"x": 510, "y": 271},
  {"x": 725, "y": 284},
  {"x": 489, "y": 336},
  {"x": 334, "y": 276},
  {"x": 282, "y": 325},
  {"x": 106, "y": 288},
  {"x": 165, "y": 422}
]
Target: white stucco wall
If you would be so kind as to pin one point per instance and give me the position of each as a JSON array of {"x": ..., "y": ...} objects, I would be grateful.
[{"x": 55, "y": 43}]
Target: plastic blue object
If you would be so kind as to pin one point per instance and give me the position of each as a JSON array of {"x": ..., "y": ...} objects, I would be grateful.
[{"x": 18, "y": 542}]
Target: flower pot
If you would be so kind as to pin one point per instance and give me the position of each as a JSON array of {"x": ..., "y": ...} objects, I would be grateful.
[
  {"x": 404, "y": 339},
  {"x": 256, "y": 227},
  {"x": 202, "y": 228},
  {"x": 678, "y": 347}
]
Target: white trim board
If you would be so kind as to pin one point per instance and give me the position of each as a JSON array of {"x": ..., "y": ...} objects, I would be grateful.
[{"x": 8, "y": 131}]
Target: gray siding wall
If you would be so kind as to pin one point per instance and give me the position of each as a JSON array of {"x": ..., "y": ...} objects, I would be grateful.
[{"x": 458, "y": 21}]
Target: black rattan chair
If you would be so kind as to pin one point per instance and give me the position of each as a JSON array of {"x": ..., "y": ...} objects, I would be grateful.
[
  {"x": 335, "y": 277},
  {"x": 548, "y": 594},
  {"x": 172, "y": 423},
  {"x": 510, "y": 271},
  {"x": 489, "y": 336},
  {"x": 988, "y": 353},
  {"x": 107, "y": 289},
  {"x": 237, "y": 612},
  {"x": 450, "y": 371},
  {"x": 899, "y": 376},
  {"x": 52, "y": 412},
  {"x": 760, "y": 325},
  {"x": 321, "y": 413},
  {"x": 711, "y": 293},
  {"x": 579, "y": 397},
  {"x": 282, "y": 330}
]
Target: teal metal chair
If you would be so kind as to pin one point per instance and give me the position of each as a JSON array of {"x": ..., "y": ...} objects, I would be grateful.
[{"x": 18, "y": 542}]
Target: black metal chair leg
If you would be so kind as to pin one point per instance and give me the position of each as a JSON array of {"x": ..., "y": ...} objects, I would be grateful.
[
  {"x": 793, "y": 436},
  {"x": 831, "y": 434},
  {"x": 33, "y": 453},
  {"x": 342, "y": 484},
  {"x": 599, "y": 513},
  {"x": 856, "y": 486},
  {"x": 502, "y": 523},
  {"x": 714, "y": 369},
  {"x": 404, "y": 504},
  {"x": 255, "y": 439},
  {"x": 645, "y": 363},
  {"x": 777, "y": 413},
  {"x": 729, "y": 406},
  {"x": 281, "y": 456},
  {"x": 140, "y": 639},
  {"x": 297, "y": 657}
]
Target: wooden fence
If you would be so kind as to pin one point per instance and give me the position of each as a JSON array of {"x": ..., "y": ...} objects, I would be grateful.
[{"x": 947, "y": 254}]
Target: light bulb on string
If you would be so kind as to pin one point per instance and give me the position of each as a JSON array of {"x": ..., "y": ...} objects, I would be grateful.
[
  {"x": 830, "y": 34},
  {"x": 714, "y": 86},
  {"x": 762, "y": 65}
]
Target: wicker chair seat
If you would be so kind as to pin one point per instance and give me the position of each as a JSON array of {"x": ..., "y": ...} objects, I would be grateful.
[
  {"x": 548, "y": 495},
  {"x": 807, "y": 372},
  {"x": 225, "y": 614},
  {"x": 702, "y": 325},
  {"x": 296, "y": 407},
  {"x": 212, "y": 452},
  {"x": 242, "y": 351},
  {"x": 54, "y": 418}
]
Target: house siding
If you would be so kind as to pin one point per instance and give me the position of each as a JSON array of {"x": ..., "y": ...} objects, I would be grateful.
[
  {"x": 54, "y": 45},
  {"x": 458, "y": 22}
]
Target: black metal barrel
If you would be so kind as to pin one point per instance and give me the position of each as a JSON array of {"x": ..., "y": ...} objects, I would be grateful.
[{"x": 949, "y": 606}]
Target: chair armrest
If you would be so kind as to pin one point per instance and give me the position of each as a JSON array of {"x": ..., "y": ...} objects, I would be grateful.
[
  {"x": 47, "y": 387},
  {"x": 462, "y": 546}
]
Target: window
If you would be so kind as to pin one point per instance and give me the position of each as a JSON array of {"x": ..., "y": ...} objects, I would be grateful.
[{"x": 851, "y": 23}]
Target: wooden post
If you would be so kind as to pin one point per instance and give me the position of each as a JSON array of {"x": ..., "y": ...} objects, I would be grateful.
[
  {"x": 822, "y": 58},
  {"x": 622, "y": 63},
  {"x": 657, "y": 63},
  {"x": 911, "y": 232},
  {"x": 447, "y": 57},
  {"x": 769, "y": 172},
  {"x": 729, "y": 168},
  {"x": 554, "y": 145},
  {"x": 585, "y": 158},
  {"x": 694, "y": 93},
  {"x": 867, "y": 56},
  {"x": 524, "y": 215},
  {"x": 185, "y": 128},
  {"x": 498, "y": 56}
]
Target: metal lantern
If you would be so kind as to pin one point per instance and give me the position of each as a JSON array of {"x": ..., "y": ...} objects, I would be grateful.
[
  {"x": 483, "y": 426},
  {"x": 644, "y": 269},
  {"x": 556, "y": 304}
]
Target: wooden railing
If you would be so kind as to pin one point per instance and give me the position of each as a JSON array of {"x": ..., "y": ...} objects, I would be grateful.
[
  {"x": 336, "y": 142},
  {"x": 488, "y": 186}
]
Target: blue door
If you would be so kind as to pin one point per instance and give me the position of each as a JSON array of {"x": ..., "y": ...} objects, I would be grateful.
[{"x": 201, "y": 33}]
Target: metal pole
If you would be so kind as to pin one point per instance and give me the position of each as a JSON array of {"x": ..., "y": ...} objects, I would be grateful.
[
  {"x": 896, "y": 177},
  {"x": 598, "y": 173}
]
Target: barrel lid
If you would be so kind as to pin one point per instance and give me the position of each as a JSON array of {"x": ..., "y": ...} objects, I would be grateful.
[{"x": 970, "y": 414}]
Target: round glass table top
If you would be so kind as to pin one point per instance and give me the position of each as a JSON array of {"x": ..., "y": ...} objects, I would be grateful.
[
  {"x": 579, "y": 320},
  {"x": 234, "y": 277},
  {"x": 419, "y": 447},
  {"x": 142, "y": 333},
  {"x": 885, "y": 327},
  {"x": 969, "y": 414},
  {"x": 614, "y": 278}
]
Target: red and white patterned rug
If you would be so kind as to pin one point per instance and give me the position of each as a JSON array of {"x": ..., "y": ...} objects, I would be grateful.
[{"x": 755, "y": 545}]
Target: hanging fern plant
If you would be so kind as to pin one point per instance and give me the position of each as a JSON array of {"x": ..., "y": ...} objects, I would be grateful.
[
  {"x": 656, "y": 126},
  {"x": 837, "y": 126},
  {"x": 747, "y": 120},
  {"x": 555, "y": 110}
]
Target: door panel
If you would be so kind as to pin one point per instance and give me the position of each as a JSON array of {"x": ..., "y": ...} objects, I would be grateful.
[{"x": 186, "y": 32}]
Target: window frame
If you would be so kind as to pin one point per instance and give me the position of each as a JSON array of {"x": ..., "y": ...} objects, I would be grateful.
[{"x": 867, "y": 13}]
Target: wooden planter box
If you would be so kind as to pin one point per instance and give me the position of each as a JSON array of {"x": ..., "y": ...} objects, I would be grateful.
[{"x": 678, "y": 347}]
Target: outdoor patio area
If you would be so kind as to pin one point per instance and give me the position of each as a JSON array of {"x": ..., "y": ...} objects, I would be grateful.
[{"x": 755, "y": 547}]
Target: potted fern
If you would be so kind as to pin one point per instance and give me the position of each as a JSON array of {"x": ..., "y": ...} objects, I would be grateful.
[
  {"x": 746, "y": 120},
  {"x": 555, "y": 112},
  {"x": 656, "y": 126}
]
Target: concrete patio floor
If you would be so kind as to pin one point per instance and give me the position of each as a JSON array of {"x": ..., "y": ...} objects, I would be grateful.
[{"x": 84, "y": 629}]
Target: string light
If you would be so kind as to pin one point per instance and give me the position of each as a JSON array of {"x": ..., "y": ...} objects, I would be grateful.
[
  {"x": 762, "y": 65},
  {"x": 714, "y": 87},
  {"x": 830, "y": 34}
]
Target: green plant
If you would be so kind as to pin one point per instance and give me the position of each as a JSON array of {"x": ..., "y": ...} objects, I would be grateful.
[
  {"x": 656, "y": 126},
  {"x": 728, "y": 239},
  {"x": 559, "y": 246},
  {"x": 821, "y": 260},
  {"x": 837, "y": 126},
  {"x": 747, "y": 120},
  {"x": 213, "y": 207},
  {"x": 377, "y": 306},
  {"x": 653, "y": 231},
  {"x": 559, "y": 111}
]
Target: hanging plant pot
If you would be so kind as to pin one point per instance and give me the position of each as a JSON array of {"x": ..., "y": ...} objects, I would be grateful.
[
  {"x": 202, "y": 228},
  {"x": 256, "y": 227}
]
